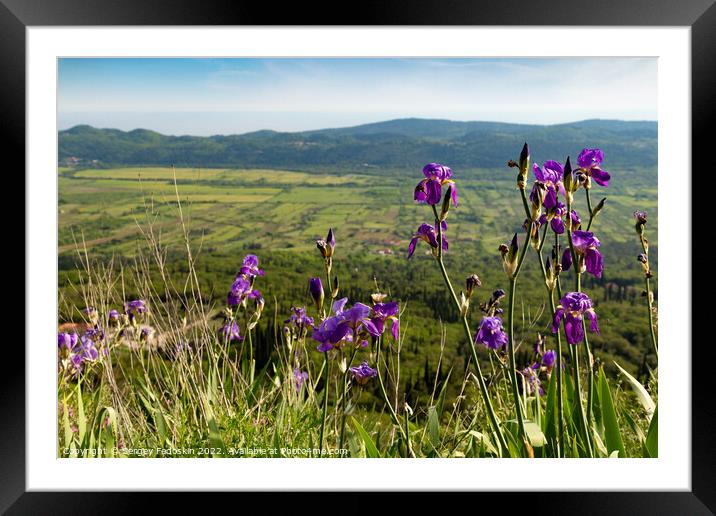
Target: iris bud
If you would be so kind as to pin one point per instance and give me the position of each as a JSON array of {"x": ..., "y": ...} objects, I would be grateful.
[
  {"x": 446, "y": 203},
  {"x": 316, "y": 289},
  {"x": 471, "y": 283},
  {"x": 524, "y": 165},
  {"x": 599, "y": 207},
  {"x": 509, "y": 257}
]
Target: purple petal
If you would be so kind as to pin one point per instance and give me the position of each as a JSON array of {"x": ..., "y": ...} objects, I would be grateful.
[
  {"x": 420, "y": 194},
  {"x": 566, "y": 260},
  {"x": 593, "y": 326},
  {"x": 454, "y": 194},
  {"x": 338, "y": 305},
  {"x": 573, "y": 329},
  {"x": 395, "y": 329},
  {"x": 411, "y": 247},
  {"x": 602, "y": 177},
  {"x": 594, "y": 262},
  {"x": 557, "y": 319},
  {"x": 434, "y": 191},
  {"x": 557, "y": 225}
]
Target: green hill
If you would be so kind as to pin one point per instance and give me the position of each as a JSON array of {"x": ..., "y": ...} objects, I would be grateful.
[{"x": 403, "y": 143}]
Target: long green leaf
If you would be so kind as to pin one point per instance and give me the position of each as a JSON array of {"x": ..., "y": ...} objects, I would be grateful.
[
  {"x": 534, "y": 434},
  {"x": 549, "y": 422},
  {"x": 612, "y": 433},
  {"x": 433, "y": 427},
  {"x": 640, "y": 391},
  {"x": 652, "y": 437},
  {"x": 81, "y": 421},
  {"x": 370, "y": 449}
]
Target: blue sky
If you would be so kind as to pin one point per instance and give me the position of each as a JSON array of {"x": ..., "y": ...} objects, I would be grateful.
[{"x": 225, "y": 96}]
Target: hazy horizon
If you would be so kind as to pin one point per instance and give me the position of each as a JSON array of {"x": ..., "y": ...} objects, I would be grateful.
[
  {"x": 129, "y": 129},
  {"x": 206, "y": 96}
]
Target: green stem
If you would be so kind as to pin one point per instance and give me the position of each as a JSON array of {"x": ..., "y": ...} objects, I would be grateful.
[
  {"x": 328, "y": 280},
  {"x": 345, "y": 404},
  {"x": 511, "y": 354},
  {"x": 650, "y": 306},
  {"x": 578, "y": 388},
  {"x": 325, "y": 402},
  {"x": 407, "y": 432},
  {"x": 468, "y": 334},
  {"x": 578, "y": 288},
  {"x": 589, "y": 207},
  {"x": 553, "y": 309},
  {"x": 393, "y": 414},
  {"x": 525, "y": 204}
]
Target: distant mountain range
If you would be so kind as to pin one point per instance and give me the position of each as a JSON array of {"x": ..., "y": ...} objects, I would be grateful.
[{"x": 401, "y": 143}]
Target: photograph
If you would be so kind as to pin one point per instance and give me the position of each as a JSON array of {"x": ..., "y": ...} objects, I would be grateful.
[{"x": 324, "y": 257}]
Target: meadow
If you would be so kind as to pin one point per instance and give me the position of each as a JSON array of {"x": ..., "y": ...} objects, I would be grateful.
[{"x": 176, "y": 237}]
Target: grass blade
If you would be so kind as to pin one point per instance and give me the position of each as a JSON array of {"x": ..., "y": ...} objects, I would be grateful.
[
  {"x": 370, "y": 449},
  {"x": 612, "y": 433}
]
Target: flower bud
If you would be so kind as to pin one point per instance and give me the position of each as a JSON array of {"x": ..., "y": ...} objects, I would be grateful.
[
  {"x": 551, "y": 275},
  {"x": 471, "y": 283},
  {"x": 464, "y": 304},
  {"x": 524, "y": 165},
  {"x": 640, "y": 217},
  {"x": 569, "y": 181},
  {"x": 539, "y": 190},
  {"x": 316, "y": 289},
  {"x": 532, "y": 229},
  {"x": 509, "y": 257},
  {"x": 377, "y": 297},
  {"x": 336, "y": 287},
  {"x": 446, "y": 203},
  {"x": 599, "y": 207},
  {"x": 644, "y": 260},
  {"x": 497, "y": 295}
]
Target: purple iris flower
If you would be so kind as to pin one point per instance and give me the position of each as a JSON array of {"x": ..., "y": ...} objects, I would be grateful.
[
  {"x": 589, "y": 161},
  {"x": 250, "y": 267},
  {"x": 491, "y": 333},
  {"x": 299, "y": 377},
  {"x": 299, "y": 319},
  {"x": 327, "y": 246},
  {"x": 67, "y": 340},
  {"x": 315, "y": 287},
  {"x": 428, "y": 234},
  {"x": 429, "y": 190},
  {"x": 135, "y": 308},
  {"x": 554, "y": 215},
  {"x": 572, "y": 308},
  {"x": 146, "y": 332},
  {"x": 113, "y": 315},
  {"x": 95, "y": 334},
  {"x": 549, "y": 358},
  {"x": 334, "y": 331},
  {"x": 84, "y": 350},
  {"x": 331, "y": 333},
  {"x": 358, "y": 317},
  {"x": 576, "y": 220},
  {"x": 230, "y": 331},
  {"x": 363, "y": 373},
  {"x": 240, "y": 290},
  {"x": 383, "y": 312},
  {"x": 530, "y": 380},
  {"x": 586, "y": 247},
  {"x": 550, "y": 174}
]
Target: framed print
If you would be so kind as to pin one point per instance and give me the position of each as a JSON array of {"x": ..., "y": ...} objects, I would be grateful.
[{"x": 436, "y": 250}]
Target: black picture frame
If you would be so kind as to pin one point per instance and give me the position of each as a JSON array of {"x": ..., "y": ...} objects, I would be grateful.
[{"x": 699, "y": 15}]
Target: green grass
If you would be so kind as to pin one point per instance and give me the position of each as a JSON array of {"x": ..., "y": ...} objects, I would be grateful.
[{"x": 121, "y": 221}]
